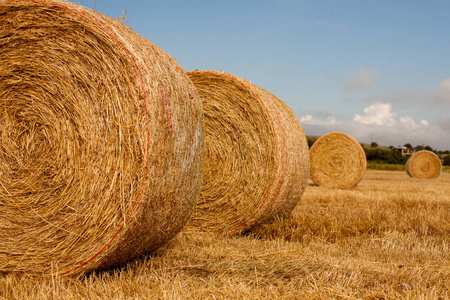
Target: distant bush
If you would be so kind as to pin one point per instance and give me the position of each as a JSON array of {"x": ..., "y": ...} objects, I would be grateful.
[
  {"x": 447, "y": 160},
  {"x": 390, "y": 156},
  {"x": 423, "y": 147}
]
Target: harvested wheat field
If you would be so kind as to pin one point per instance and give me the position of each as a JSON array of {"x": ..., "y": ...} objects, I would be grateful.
[{"x": 387, "y": 238}]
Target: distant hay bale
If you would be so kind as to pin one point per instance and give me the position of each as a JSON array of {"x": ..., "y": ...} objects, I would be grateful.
[
  {"x": 424, "y": 165},
  {"x": 337, "y": 161},
  {"x": 256, "y": 155},
  {"x": 100, "y": 154}
]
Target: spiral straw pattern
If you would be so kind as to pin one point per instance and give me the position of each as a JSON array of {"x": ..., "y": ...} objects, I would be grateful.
[
  {"x": 256, "y": 155},
  {"x": 424, "y": 165},
  {"x": 100, "y": 152},
  {"x": 337, "y": 161}
]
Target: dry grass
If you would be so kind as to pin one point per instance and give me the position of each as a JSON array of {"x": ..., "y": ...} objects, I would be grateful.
[{"x": 388, "y": 238}]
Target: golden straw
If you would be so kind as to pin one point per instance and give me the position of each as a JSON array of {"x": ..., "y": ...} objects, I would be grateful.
[
  {"x": 256, "y": 155},
  {"x": 424, "y": 165},
  {"x": 337, "y": 161},
  {"x": 101, "y": 156}
]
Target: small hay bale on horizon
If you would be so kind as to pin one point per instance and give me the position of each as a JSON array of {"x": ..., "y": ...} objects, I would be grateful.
[
  {"x": 101, "y": 153},
  {"x": 256, "y": 155},
  {"x": 424, "y": 164},
  {"x": 337, "y": 161}
]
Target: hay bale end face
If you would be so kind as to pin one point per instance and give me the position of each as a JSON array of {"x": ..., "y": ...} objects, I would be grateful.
[
  {"x": 256, "y": 155},
  {"x": 100, "y": 140},
  {"x": 337, "y": 161},
  {"x": 424, "y": 165}
]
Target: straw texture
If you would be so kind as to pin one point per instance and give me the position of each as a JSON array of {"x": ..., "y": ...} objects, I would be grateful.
[
  {"x": 100, "y": 151},
  {"x": 256, "y": 155},
  {"x": 337, "y": 161},
  {"x": 424, "y": 165}
]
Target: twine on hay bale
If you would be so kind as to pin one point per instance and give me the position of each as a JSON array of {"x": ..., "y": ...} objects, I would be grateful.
[
  {"x": 337, "y": 161},
  {"x": 256, "y": 155},
  {"x": 424, "y": 165},
  {"x": 100, "y": 152}
]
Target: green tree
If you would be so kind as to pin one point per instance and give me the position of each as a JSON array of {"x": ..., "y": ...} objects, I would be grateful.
[
  {"x": 374, "y": 144},
  {"x": 419, "y": 147},
  {"x": 408, "y": 145},
  {"x": 391, "y": 156},
  {"x": 447, "y": 160}
]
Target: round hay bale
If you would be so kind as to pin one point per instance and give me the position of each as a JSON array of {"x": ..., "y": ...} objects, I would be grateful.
[
  {"x": 424, "y": 165},
  {"x": 100, "y": 152},
  {"x": 337, "y": 161},
  {"x": 256, "y": 155}
]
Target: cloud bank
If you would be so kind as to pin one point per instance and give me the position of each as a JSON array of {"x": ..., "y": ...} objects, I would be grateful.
[{"x": 379, "y": 123}]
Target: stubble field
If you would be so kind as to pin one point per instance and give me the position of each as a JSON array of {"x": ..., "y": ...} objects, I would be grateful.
[{"x": 388, "y": 238}]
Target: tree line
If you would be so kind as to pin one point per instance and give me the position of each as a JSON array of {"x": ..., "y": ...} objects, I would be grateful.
[{"x": 392, "y": 155}]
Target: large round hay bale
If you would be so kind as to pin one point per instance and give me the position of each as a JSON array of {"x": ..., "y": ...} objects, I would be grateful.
[
  {"x": 100, "y": 151},
  {"x": 424, "y": 165},
  {"x": 256, "y": 155},
  {"x": 337, "y": 161}
]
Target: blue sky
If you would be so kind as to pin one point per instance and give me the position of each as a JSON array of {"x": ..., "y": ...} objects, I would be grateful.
[{"x": 377, "y": 70}]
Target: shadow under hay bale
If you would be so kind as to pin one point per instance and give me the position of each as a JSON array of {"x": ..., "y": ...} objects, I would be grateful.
[
  {"x": 424, "y": 165},
  {"x": 101, "y": 154},
  {"x": 256, "y": 155},
  {"x": 337, "y": 161}
]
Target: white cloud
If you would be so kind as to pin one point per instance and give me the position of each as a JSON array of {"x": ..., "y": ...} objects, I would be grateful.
[
  {"x": 309, "y": 119},
  {"x": 424, "y": 123},
  {"x": 377, "y": 114},
  {"x": 361, "y": 79},
  {"x": 442, "y": 93},
  {"x": 306, "y": 118},
  {"x": 408, "y": 122}
]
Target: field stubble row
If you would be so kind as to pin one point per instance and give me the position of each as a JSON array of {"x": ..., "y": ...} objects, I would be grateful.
[{"x": 387, "y": 238}]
